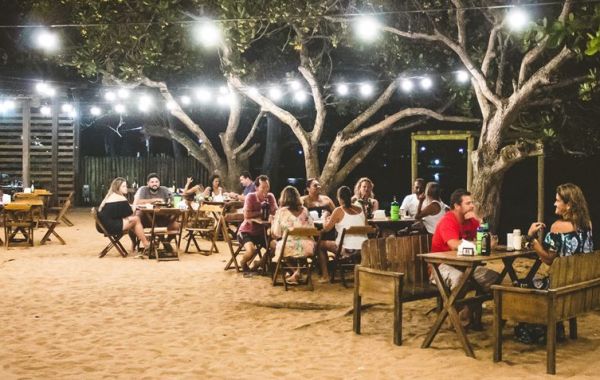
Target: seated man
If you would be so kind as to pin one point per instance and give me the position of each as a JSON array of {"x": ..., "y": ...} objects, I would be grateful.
[
  {"x": 410, "y": 204},
  {"x": 248, "y": 185},
  {"x": 153, "y": 192},
  {"x": 251, "y": 234},
  {"x": 458, "y": 224}
]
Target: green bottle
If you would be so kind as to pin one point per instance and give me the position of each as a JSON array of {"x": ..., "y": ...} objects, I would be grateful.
[{"x": 395, "y": 210}]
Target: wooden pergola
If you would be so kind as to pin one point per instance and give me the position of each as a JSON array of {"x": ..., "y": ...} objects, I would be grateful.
[{"x": 469, "y": 137}]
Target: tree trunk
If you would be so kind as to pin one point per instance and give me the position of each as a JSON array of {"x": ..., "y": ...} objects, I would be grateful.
[
  {"x": 273, "y": 146},
  {"x": 485, "y": 190}
]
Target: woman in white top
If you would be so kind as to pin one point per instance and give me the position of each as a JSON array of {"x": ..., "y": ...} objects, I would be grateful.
[
  {"x": 345, "y": 216},
  {"x": 431, "y": 208}
]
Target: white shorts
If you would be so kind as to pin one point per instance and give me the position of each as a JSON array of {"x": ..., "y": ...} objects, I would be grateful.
[{"x": 484, "y": 277}]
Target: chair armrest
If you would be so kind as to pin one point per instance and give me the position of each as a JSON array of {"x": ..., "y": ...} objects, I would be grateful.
[
  {"x": 386, "y": 273},
  {"x": 514, "y": 289}
]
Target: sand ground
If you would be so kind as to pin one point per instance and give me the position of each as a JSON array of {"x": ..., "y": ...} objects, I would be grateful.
[{"x": 64, "y": 313}]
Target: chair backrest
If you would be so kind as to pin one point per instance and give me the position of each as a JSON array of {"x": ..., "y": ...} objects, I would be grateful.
[
  {"x": 399, "y": 254},
  {"x": 357, "y": 230},
  {"x": 99, "y": 226},
  {"x": 64, "y": 209},
  {"x": 583, "y": 269},
  {"x": 301, "y": 232}
]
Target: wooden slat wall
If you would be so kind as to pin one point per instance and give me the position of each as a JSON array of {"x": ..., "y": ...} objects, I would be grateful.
[
  {"x": 58, "y": 178},
  {"x": 98, "y": 172}
]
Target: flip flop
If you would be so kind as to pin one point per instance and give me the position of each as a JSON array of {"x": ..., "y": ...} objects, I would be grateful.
[{"x": 291, "y": 280}]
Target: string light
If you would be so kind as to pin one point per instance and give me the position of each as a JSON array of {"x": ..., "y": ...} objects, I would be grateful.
[
  {"x": 95, "y": 111},
  {"x": 300, "y": 96},
  {"x": 67, "y": 108},
  {"x": 185, "y": 100},
  {"x": 45, "y": 89},
  {"x": 123, "y": 93},
  {"x": 253, "y": 91},
  {"x": 295, "y": 85},
  {"x": 110, "y": 96},
  {"x": 365, "y": 89},
  {"x": 7, "y": 106},
  {"x": 171, "y": 105},
  {"x": 145, "y": 103},
  {"x": 208, "y": 34},
  {"x": 367, "y": 28},
  {"x": 45, "y": 111},
  {"x": 46, "y": 40},
  {"x": 275, "y": 93},
  {"x": 342, "y": 89},
  {"x": 517, "y": 19},
  {"x": 406, "y": 85},
  {"x": 120, "y": 108},
  {"x": 203, "y": 95},
  {"x": 426, "y": 83},
  {"x": 462, "y": 76}
]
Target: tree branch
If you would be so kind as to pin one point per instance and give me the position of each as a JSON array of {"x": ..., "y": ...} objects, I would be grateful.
[
  {"x": 321, "y": 111},
  {"x": 357, "y": 159},
  {"x": 250, "y": 135},
  {"x": 533, "y": 54},
  {"x": 490, "y": 52},
  {"x": 461, "y": 23},
  {"x": 369, "y": 112},
  {"x": 408, "y": 112}
]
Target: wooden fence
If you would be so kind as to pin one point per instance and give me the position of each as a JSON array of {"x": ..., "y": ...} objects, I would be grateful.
[
  {"x": 98, "y": 172},
  {"x": 39, "y": 148}
]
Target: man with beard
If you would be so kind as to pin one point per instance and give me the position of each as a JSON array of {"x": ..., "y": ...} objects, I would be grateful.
[{"x": 153, "y": 192}]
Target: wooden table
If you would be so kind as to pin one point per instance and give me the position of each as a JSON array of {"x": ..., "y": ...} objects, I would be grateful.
[
  {"x": 159, "y": 234},
  {"x": 18, "y": 218},
  {"x": 454, "y": 298}
]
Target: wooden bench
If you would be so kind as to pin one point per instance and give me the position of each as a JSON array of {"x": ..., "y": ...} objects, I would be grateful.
[
  {"x": 391, "y": 271},
  {"x": 574, "y": 290}
]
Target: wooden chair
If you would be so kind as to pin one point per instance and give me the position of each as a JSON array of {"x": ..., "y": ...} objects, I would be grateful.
[
  {"x": 304, "y": 263},
  {"x": 574, "y": 290},
  {"x": 18, "y": 218},
  {"x": 342, "y": 261},
  {"x": 391, "y": 271},
  {"x": 115, "y": 240},
  {"x": 205, "y": 224},
  {"x": 161, "y": 236},
  {"x": 58, "y": 209},
  {"x": 52, "y": 224}
]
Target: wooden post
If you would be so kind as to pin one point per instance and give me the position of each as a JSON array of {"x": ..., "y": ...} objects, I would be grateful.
[
  {"x": 26, "y": 104},
  {"x": 54, "y": 168},
  {"x": 77, "y": 183},
  {"x": 470, "y": 146},
  {"x": 540, "y": 188},
  {"x": 413, "y": 159}
]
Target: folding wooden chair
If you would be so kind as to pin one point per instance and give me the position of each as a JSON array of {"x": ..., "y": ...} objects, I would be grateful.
[
  {"x": 158, "y": 235},
  {"x": 304, "y": 263},
  {"x": 346, "y": 262},
  {"x": 205, "y": 224},
  {"x": 18, "y": 218},
  {"x": 51, "y": 225},
  {"x": 58, "y": 209},
  {"x": 115, "y": 240}
]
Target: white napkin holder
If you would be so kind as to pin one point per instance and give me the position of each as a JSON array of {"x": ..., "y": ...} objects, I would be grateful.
[
  {"x": 466, "y": 248},
  {"x": 379, "y": 214}
]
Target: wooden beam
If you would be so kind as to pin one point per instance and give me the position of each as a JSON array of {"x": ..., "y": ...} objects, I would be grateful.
[
  {"x": 413, "y": 159},
  {"x": 26, "y": 136},
  {"x": 54, "y": 167},
  {"x": 540, "y": 187},
  {"x": 77, "y": 183},
  {"x": 470, "y": 146}
]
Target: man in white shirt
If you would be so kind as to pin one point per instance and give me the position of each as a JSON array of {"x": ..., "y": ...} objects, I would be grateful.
[{"x": 410, "y": 204}]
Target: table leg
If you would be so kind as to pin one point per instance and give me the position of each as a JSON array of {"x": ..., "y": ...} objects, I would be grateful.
[
  {"x": 533, "y": 270},
  {"x": 449, "y": 310}
]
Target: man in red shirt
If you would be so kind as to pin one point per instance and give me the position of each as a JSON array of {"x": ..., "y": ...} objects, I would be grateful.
[
  {"x": 252, "y": 235},
  {"x": 458, "y": 224}
]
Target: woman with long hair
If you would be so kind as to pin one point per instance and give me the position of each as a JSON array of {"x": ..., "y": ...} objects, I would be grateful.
[
  {"x": 215, "y": 188},
  {"x": 571, "y": 234},
  {"x": 364, "y": 196},
  {"x": 314, "y": 200},
  {"x": 345, "y": 216},
  {"x": 431, "y": 209},
  {"x": 290, "y": 214},
  {"x": 116, "y": 214}
]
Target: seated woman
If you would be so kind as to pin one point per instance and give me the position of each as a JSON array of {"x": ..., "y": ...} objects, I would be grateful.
[
  {"x": 431, "y": 208},
  {"x": 291, "y": 214},
  {"x": 570, "y": 235},
  {"x": 215, "y": 189},
  {"x": 116, "y": 214},
  {"x": 315, "y": 201},
  {"x": 191, "y": 190},
  {"x": 364, "y": 196},
  {"x": 345, "y": 216}
]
